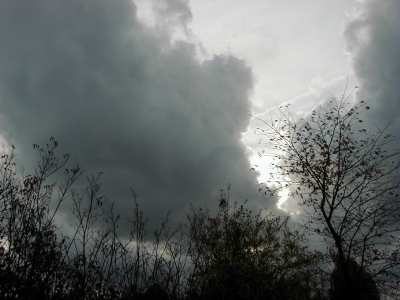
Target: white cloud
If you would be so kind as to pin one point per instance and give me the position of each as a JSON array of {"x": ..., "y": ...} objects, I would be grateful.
[{"x": 372, "y": 40}]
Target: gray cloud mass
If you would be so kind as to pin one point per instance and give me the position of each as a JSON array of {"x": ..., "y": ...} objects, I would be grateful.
[
  {"x": 133, "y": 100},
  {"x": 373, "y": 43},
  {"x": 124, "y": 99}
]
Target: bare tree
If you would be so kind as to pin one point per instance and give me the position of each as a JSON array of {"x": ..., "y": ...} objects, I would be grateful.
[
  {"x": 346, "y": 178},
  {"x": 92, "y": 259},
  {"x": 31, "y": 254}
]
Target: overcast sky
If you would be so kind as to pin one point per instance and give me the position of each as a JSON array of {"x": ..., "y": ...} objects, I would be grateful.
[{"x": 159, "y": 95}]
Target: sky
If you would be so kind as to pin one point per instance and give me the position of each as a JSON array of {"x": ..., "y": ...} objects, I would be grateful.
[{"x": 160, "y": 95}]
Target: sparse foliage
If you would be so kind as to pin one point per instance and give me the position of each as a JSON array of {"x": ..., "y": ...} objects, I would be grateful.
[
  {"x": 31, "y": 255},
  {"x": 233, "y": 254},
  {"x": 94, "y": 260},
  {"x": 346, "y": 178},
  {"x": 241, "y": 255}
]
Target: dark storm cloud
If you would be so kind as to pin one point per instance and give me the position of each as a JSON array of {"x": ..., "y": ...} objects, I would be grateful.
[
  {"x": 373, "y": 43},
  {"x": 124, "y": 99}
]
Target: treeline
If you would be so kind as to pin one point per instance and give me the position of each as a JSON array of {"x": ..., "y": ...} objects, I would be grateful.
[
  {"x": 232, "y": 254},
  {"x": 345, "y": 178}
]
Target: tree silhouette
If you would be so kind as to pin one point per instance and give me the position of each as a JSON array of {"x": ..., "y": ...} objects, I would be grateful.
[
  {"x": 234, "y": 254},
  {"x": 31, "y": 257},
  {"x": 94, "y": 260},
  {"x": 338, "y": 291},
  {"x": 347, "y": 181},
  {"x": 241, "y": 255}
]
